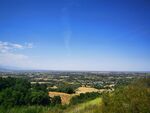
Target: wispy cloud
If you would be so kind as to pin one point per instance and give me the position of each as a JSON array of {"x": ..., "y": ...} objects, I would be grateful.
[
  {"x": 67, "y": 24},
  {"x": 13, "y": 59},
  {"x": 9, "y": 47},
  {"x": 28, "y": 45},
  {"x": 67, "y": 38},
  {"x": 10, "y": 57},
  {"x": 67, "y": 27}
]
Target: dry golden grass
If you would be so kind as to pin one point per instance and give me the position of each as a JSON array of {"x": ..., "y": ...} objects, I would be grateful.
[
  {"x": 85, "y": 90},
  {"x": 65, "y": 98}
]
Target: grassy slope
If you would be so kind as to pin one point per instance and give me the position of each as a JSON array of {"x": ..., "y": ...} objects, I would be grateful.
[
  {"x": 32, "y": 109},
  {"x": 92, "y": 106}
]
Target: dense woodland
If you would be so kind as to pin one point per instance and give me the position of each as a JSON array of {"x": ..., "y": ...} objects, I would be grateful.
[{"x": 18, "y": 92}]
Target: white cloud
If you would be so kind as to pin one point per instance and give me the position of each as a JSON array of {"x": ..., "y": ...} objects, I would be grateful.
[
  {"x": 10, "y": 57},
  {"x": 17, "y": 46},
  {"x": 7, "y": 46}
]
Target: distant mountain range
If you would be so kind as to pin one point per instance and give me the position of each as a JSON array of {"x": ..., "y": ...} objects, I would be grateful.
[
  {"x": 18, "y": 69},
  {"x": 3, "y": 69},
  {"x": 13, "y": 69}
]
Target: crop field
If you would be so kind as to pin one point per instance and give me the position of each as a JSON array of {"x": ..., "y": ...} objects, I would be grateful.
[{"x": 85, "y": 90}]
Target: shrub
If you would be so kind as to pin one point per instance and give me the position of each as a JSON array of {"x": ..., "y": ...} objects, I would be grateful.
[
  {"x": 134, "y": 98},
  {"x": 56, "y": 100}
]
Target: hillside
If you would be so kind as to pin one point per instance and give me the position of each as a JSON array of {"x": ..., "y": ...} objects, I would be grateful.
[
  {"x": 132, "y": 98},
  {"x": 93, "y": 106}
]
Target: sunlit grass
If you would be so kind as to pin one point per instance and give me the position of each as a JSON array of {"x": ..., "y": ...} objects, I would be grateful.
[
  {"x": 92, "y": 106},
  {"x": 88, "y": 107}
]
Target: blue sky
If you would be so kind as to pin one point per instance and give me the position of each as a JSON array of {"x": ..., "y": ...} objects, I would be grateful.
[{"x": 102, "y": 35}]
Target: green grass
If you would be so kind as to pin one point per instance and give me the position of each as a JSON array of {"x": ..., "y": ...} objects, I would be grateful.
[
  {"x": 92, "y": 106},
  {"x": 32, "y": 109}
]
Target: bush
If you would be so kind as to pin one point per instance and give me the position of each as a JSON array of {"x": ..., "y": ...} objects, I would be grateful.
[
  {"x": 56, "y": 100},
  {"x": 134, "y": 98}
]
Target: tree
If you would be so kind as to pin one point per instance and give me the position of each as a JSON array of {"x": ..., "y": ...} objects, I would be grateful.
[
  {"x": 39, "y": 98},
  {"x": 18, "y": 91},
  {"x": 40, "y": 87},
  {"x": 56, "y": 100}
]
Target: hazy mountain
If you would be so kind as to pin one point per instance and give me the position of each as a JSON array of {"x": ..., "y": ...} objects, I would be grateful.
[{"x": 8, "y": 68}]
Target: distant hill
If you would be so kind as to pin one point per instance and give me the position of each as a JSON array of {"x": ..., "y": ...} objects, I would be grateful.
[
  {"x": 14, "y": 69},
  {"x": 4, "y": 70},
  {"x": 7, "y": 68}
]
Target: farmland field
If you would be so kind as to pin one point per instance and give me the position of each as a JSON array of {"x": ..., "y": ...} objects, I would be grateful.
[
  {"x": 85, "y": 90},
  {"x": 35, "y": 97},
  {"x": 65, "y": 98}
]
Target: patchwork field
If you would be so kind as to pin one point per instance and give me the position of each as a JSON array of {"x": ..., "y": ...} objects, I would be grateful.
[
  {"x": 85, "y": 90},
  {"x": 66, "y": 97}
]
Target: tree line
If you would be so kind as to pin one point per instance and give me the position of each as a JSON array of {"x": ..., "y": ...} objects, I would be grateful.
[
  {"x": 19, "y": 92},
  {"x": 65, "y": 88}
]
